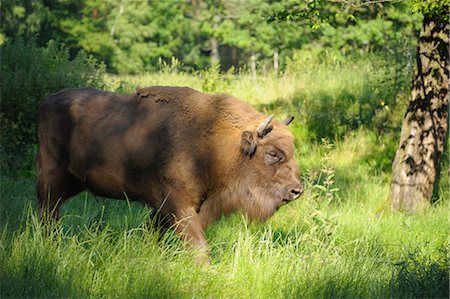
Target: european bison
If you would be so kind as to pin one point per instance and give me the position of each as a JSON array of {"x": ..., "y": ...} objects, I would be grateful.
[{"x": 190, "y": 155}]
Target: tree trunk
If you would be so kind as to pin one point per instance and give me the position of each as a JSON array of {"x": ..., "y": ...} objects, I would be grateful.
[
  {"x": 121, "y": 10},
  {"x": 424, "y": 128},
  {"x": 275, "y": 61},
  {"x": 214, "y": 51},
  {"x": 215, "y": 58},
  {"x": 253, "y": 65}
]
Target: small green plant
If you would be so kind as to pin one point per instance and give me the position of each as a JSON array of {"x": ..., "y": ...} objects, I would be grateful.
[
  {"x": 324, "y": 186},
  {"x": 213, "y": 81},
  {"x": 172, "y": 67},
  {"x": 321, "y": 228}
]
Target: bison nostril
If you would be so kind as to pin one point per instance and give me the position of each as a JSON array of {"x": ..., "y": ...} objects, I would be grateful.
[
  {"x": 296, "y": 193},
  {"x": 293, "y": 191}
]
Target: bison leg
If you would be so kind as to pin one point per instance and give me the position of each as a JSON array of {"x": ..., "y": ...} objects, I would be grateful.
[
  {"x": 157, "y": 219},
  {"x": 209, "y": 211},
  {"x": 54, "y": 185},
  {"x": 187, "y": 224}
]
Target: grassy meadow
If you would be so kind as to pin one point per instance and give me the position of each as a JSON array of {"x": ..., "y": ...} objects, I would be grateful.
[{"x": 338, "y": 240}]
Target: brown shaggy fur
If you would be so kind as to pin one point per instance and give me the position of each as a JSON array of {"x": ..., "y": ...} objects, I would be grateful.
[{"x": 191, "y": 155}]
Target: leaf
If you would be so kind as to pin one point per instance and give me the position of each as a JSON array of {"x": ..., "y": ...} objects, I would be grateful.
[{"x": 320, "y": 187}]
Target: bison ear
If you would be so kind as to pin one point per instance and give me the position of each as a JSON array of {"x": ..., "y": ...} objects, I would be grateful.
[
  {"x": 287, "y": 121},
  {"x": 248, "y": 144}
]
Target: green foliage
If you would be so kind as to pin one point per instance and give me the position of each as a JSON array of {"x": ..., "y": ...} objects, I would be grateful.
[
  {"x": 420, "y": 276},
  {"x": 330, "y": 243},
  {"x": 391, "y": 30},
  {"x": 310, "y": 248},
  {"x": 344, "y": 94},
  {"x": 27, "y": 18},
  {"x": 324, "y": 184},
  {"x": 308, "y": 12},
  {"x": 214, "y": 81},
  {"x": 432, "y": 7},
  {"x": 131, "y": 36},
  {"x": 172, "y": 67},
  {"x": 345, "y": 76},
  {"x": 28, "y": 75}
]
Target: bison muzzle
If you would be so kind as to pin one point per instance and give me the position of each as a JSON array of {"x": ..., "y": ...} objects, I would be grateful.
[{"x": 191, "y": 156}]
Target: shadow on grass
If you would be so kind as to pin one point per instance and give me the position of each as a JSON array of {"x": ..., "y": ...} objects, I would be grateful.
[
  {"x": 333, "y": 113},
  {"x": 71, "y": 263},
  {"x": 84, "y": 210},
  {"x": 417, "y": 276},
  {"x": 35, "y": 276}
]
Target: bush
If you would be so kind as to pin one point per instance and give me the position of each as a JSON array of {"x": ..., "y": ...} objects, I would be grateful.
[
  {"x": 28, "y": 75},
  {"x": 344, "y": 95}
]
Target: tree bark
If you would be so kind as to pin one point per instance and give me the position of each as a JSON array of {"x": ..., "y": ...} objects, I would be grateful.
[
  {"x": 121, "y": 10},
  {"x": 417, "y": 161},
  {"x": 253, "y": 64},
  {"x": 215, "y": 57},
  {"x": 275, "y": 61}
]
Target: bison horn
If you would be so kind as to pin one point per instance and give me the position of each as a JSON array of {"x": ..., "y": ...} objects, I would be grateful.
[
  {"x": 287, "y": 121},
  {"x": 261, "y": 130}
]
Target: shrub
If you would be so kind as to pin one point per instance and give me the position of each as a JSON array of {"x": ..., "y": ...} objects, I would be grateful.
[
  {"x": 28, "y": 75},
  {"x": 342, "y": 96}
]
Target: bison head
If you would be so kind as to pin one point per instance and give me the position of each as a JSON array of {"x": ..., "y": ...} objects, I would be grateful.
[{"x": 270, "y": 176}]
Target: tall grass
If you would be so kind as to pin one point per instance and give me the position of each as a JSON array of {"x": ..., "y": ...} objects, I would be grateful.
[
  {"x": 309, "y": 249},
  {"x": 332, "y": 242}
]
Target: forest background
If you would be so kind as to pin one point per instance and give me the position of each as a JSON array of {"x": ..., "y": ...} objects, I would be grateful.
[{"x": 342, "y": 68}]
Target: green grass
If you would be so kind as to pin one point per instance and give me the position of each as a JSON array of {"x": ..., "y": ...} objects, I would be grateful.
[
  {"x": 332, "y": 242},
  {"x": 311, "y": 248}
]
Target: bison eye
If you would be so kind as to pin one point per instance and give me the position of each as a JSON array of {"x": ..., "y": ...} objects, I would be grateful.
[{"x": 273, "y": 157}]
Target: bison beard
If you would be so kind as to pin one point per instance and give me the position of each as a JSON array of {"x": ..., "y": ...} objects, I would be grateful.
[{"x": 189, "y": 155}]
